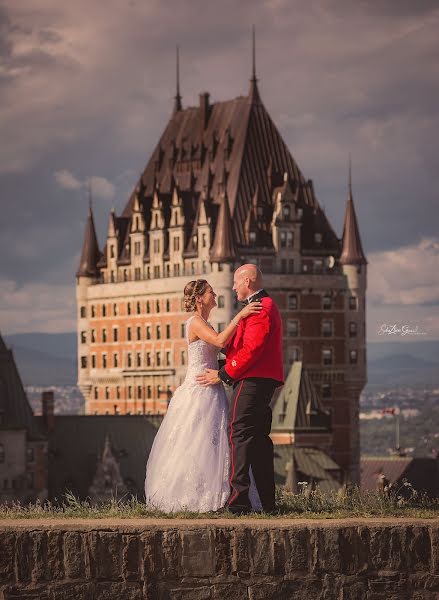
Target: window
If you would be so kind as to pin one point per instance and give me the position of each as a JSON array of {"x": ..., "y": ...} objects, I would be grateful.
[
  {"x": 148, "y": 391},
  {"x": 128, "y": 308},
  {"x": 176, "y": 244},
  {"x": 182, "y": 330},
  {"x": 83, "y": 362},
  {"x": 353, "y": 357},
  {"x": 107, "y": 393},
  {"x": 83, "y": 312},
  {"x": 293, "y": 328},
  {"x": 157, "y": 306},
  {"x": 292, "y": 302},
  {"x": 286, "y": 211},
  {"x": 252, "y": 237},
  {"x": 148, "y": 306},
  {"x": 293, "y": 354},
  {"x": 183, "y": 358},
  {"x": 138, "y": 359},
  {"x": 138, "y": 308},
  {"x": 352, "y": 303},
  {"x": 117, "y": 393},
  {"x": 96, "y": 393},
  {"x": 221, "y": 302},
  {"x": 203, "y": 240},
  {"x": 327, "y": 302},
  {"x": 2, "y": 453},
  {"x": 137, "y": 248},
  {"x": 139, "y": 332},
  {"x": 318, "y": 238},
  {"x": 115, "y": 360},
  {"x": 112, "y": 277},
  {"x": 168, "y": 332},
  {"x": 326, "y": 390},
  {"x": 326, "y": 328},
  {"x": 115, "y": 334},
  {"x": 157, "y": 332},
  {"x": 139, "y": 392},
  {"x": 168, "y": 358},
  {"x": 327, "y": 356},
  {"x": 104, "y": 335},
  {"x": 318, "y": 265},
  {"x": 220, "y": 267},
  {"x": 129, "y": 359},
  {"x": 83, "y": 337},
  {"x": 93, "y": 361},
  {"x": 176, "y": 270},
  {"x": 93, "y": 335},
  {"x": 130, "y": 391},
  {"x": 158, "y": 359},
  {"x": 192, "y": 268},
  {"x": 115, "y": 310},
  {"x": 157, "y": 272},
  {"x": 137, "y": 274},
  {"x": 93, "y": 311},
  {"x": 168, "y": 306},
  {"x": 129, "y": 334},
  {"x": 104, "y": 310},
  {"x": 148, "y": 359},
  {"x": 112, "y": 251},
  {"x": 148, "y": 332},
  {"x": 352, "y": 329},
  {"x": 125, "y": 275},
  {"x": 104, "y": 361},
  {"x": 283, "y": 239},
  {"x": 204, "y": 266}
]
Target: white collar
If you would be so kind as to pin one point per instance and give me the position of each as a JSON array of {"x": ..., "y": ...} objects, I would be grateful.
[{"x": 254, "y": 294}]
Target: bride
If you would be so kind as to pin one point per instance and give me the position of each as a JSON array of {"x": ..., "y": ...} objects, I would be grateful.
[{"x": 188, "y": 466}]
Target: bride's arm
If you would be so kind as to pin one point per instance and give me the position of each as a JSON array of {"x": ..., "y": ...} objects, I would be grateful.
[{"x": 200, "y": 328}]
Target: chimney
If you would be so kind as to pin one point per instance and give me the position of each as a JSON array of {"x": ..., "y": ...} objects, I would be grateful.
[
  {"x": 204, "y": 108},
  {"x": 48, "y": 406}
]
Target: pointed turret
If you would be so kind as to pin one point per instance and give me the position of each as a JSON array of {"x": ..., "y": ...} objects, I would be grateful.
[
  {"x": 223, "y": 248},
  {"x": 90, "y": 249},
  {"x": 352, "y": 250},
  {"x": 254, "y": 92},
  {"x": 177, "y": 103}
]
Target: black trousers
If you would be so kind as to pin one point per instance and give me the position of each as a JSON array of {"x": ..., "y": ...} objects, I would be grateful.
[{"x": 250, "y": 444}]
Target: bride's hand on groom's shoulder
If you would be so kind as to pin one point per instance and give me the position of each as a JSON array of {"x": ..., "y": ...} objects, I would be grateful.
[
  {"x": 250, "y": 309},
  {"x": 209, "y": 377}
]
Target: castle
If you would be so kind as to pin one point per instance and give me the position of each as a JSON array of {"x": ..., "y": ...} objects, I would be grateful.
[{"x": 221, "y": 189}]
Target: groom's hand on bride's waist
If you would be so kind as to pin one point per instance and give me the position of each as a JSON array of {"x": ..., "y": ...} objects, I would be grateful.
[{"x": 209, "y": 377}]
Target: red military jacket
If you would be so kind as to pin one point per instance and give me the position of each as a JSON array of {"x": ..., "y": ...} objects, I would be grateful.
[{"x": 255, "y": 350}]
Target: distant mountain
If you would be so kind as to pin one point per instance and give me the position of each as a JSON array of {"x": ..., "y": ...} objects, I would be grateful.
[
  {"x": 60, "y": 345},
  {"x": 50, "y": 359},
  {"x": 39, "y": 368},
  {"x": 402, "y": 369}
]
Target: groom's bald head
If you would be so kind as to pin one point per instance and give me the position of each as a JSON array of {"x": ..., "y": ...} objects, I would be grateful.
[{"x": 246, "y": 280}]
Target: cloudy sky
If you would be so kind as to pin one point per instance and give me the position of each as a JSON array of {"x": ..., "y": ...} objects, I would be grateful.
[{"x": 86, "y": 88}]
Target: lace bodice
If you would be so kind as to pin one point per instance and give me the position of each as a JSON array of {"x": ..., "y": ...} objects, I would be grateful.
[{"x": 201, "y": 355}]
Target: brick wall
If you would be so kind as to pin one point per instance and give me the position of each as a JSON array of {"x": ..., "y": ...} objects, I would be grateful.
[{"x": 360, "y": 559}]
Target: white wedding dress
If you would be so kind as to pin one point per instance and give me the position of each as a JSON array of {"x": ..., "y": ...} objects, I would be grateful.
[{"x": 189, "y": 464}]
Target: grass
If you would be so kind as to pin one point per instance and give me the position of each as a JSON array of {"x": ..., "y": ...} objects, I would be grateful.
[{"x": 348, "y": 503}]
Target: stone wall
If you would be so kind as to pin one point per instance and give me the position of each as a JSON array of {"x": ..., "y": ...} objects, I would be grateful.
[{"x": 234, "y": 559}]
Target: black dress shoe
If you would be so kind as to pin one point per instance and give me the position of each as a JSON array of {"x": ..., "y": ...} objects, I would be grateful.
[{"x": 239, "y": 510}]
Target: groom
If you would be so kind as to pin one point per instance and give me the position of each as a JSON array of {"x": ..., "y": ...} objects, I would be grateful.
[{"x": 254, "y": 367}]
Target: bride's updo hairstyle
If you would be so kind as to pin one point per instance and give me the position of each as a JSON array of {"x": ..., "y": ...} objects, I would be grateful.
[{"x": 191, "y": 291}]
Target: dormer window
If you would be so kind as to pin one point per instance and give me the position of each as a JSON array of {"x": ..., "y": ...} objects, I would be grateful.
[
  {"x": 286, "y": 211},
  {"x": 156, "y": 221},
  {"x": 112, "y": 251},
  {"x": 195, "y": 241},
  {"x": 252, "y": 237},
  {"x": 318, "y": 238},
  {"x": 300, "y": 213}
]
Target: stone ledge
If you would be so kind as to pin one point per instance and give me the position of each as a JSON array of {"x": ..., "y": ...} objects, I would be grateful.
[{"x": 218, "y": 559}]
